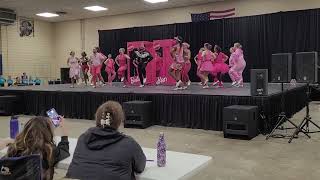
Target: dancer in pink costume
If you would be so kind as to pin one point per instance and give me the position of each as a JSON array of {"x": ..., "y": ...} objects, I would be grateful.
[
  {"x": 198, "y": 59},
  {"x": 110, "y": 69},
  {"x": 74, "y": 65},
  {"x": 122, "y": 62},
  {"x": 238, "y": 64},
  {"x": 219, "y": 66},
  {"x": 96, "y": 60},
  {"x": 206, "y": 65},
  {"x": 187, "y": 65},
  {"x": 178, "y": 62},
  {"x": 159, "y": 61}
]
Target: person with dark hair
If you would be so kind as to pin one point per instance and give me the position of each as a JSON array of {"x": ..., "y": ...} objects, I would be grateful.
[
  {"x": 84, "y": 60},
  {"x": 206, "y": 65},
  {"x": 102, "y": 152},
  {"x": 142, "y": 58},
  {"x": 122, "y": 62},
  {"x": 74, "y": 71},
  {"x": 37, "y": 137},
  {"x": 219, "y": 66},
  {"x": 96, "y": 60},
  {"x": 110, "y": 70}
]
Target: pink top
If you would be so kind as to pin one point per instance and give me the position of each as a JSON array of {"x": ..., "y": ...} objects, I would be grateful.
[
  {"x": 207, "y": 56},
  {"x": 232, "y": 59},
  {"x": 97, "y": 59},
  {"x": 238, "y": 54},
  {"x": 179, "y": 55},
  {"x": 220, "y": 58},
  {"x": 73, "y": 62},
  {"x": 110, "y": 63},
  {"x": 122, "y": 59}
]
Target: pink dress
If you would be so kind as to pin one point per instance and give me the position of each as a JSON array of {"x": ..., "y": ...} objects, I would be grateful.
[
  {"x": 74, "y": 67},
  {"x": 123, "y": 64},
  {"x": 219, "y": 66},
  {"x": 178, "y": 60},
  {"x": 110, "y": 65},
  {"x": 206, "y": 64}
]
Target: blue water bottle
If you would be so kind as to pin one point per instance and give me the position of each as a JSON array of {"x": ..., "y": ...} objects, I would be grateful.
[{"x": 14, "y": 127}]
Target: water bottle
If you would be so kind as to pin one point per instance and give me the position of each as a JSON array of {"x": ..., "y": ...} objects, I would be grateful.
[
  {"x": 14, "y": 127},
  {"x": 161, "y": 151}
]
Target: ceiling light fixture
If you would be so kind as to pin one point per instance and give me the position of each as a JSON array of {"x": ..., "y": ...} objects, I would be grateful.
[
  {"x": 155, "y": 1},
  {"x": 96, "y": 8},
  {"x": 47, "y": 14}
]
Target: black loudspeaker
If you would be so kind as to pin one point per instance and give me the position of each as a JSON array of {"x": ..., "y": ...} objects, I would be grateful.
[
  {"x": 259, "y": 82},
  {"x": 64, "y": 73},
  {"x": 138, "y": 114},
  {"x": 240, "y": 120},
  {"x": 307, "y": 67},
  {"x": 281, "y": 67}
]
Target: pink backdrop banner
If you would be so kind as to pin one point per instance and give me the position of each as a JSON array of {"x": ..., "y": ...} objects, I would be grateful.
[{"x": 157, "y": 69}]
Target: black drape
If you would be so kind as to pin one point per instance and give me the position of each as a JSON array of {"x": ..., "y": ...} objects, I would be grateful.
[
  {"x": 260, "y": 35},
  {"x": 175, "y": 110}
]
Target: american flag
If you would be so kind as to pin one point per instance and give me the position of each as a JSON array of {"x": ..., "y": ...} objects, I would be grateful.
[{"x": 212, "y": 15}]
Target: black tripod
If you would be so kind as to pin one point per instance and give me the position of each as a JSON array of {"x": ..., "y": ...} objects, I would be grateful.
[
  {"x": 305, "y": 124},
  {"x": 282, "y": 118}
]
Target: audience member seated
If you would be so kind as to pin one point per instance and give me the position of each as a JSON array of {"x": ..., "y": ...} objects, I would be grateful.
[
  {"x": 102, "y": 152},
  {"x": 18, "y": 81},
  {"x": 10, "y": 81},
  {"x": 37, "y": 137},
  {"x": 2, "y": 81},
  {"x": 37, "y": 81},
  {"x": 24, "y": 78}
]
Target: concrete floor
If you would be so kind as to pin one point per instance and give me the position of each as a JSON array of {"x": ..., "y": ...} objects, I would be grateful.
[{"x": 257, "y": 159}]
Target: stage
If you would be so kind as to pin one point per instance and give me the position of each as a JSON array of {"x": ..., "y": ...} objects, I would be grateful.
[{"x": 192, "y": 108}]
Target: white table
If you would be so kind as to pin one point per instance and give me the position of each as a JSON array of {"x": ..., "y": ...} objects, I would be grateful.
[{"x": 179, "y": 165}]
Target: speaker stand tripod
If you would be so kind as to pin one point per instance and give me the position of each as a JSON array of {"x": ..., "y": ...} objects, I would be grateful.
[
  {"x": 282, "y": 118},
  {"x": 304, "y": 126}
]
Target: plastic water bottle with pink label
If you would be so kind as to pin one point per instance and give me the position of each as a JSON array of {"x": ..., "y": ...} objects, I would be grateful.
[{"x": 161, "y": 151}]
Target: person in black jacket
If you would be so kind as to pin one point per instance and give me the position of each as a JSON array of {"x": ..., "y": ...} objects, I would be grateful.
[
  {"x": 141, "y": 60},
  {"x": 37, "y": 138},
  {"x": 102, "y": 152}
]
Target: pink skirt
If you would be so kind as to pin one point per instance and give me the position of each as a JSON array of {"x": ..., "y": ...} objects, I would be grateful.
[
  {"x": 220, "y": 68},
  {"x": 206, "y": 66},
  {"x": 74, "y": 72},
  {"x": 176, "y": 66}
]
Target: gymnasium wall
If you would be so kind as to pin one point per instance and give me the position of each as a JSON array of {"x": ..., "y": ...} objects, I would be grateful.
[{"x": 33, "y": 55}]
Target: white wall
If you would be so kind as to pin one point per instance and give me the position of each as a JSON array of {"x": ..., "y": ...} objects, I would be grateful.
[{"x": 33, "y": 55}]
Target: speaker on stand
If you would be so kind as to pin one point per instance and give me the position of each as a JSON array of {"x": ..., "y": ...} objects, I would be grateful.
[
  {"x": 281, "y": 70},
  {"x": 307, "y": 72}
]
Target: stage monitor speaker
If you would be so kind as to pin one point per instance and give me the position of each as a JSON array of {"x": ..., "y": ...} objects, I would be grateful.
[
  {"x": 307, "y": 67},
  {"x": 281, "y": 67},
  {"x": 259, "y": 82},
  {"x": 240, "y": 120},
  {"x": 138, "y": 114},
  {"x": 64, "y": 73}
]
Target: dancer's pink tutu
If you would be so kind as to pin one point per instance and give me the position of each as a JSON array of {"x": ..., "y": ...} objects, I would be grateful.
[
  {"x": 220, "y": 68},
  {"x": 206, "y": 66}
]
